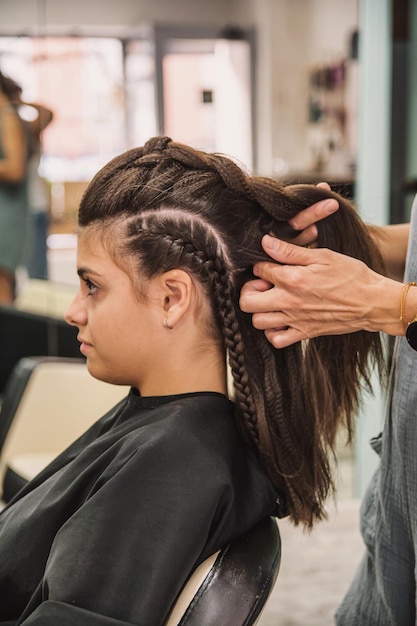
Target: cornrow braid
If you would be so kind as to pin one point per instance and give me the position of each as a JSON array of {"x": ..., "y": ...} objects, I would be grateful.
[
  {"x": 184, "y": 208},
  {"x": 176, "y": 239},
  {"x": 235, "y": 346}
]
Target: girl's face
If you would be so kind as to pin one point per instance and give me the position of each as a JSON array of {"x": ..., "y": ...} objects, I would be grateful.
[{"x": 118, "y": 331}]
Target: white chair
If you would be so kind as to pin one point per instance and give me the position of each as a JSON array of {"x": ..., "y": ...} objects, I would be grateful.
[{"x": 47, "y": 404}]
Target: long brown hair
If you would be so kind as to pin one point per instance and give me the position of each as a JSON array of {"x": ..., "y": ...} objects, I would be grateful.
[{"x": 182, "y": 208}]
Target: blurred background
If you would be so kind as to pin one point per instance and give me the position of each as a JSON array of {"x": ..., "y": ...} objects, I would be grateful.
[
  {"x": 301, "y": 90},
  {"x": 273, "y": 83}
]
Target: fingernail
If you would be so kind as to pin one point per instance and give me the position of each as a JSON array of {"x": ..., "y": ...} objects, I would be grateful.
[
  {"x": 331, "y": 206},
  {"x": 272, "y": 243}
]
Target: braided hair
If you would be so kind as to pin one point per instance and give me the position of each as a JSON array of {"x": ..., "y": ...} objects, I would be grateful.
[{"x": 183, "y": 208}]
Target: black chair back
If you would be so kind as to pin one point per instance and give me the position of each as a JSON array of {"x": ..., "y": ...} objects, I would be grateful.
[{"x": 238, "y": 584}]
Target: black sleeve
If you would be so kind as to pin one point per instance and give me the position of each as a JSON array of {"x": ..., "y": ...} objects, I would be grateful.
[
  {"x": 53, "y": 613},
  {"x": 127, "y": 551}
]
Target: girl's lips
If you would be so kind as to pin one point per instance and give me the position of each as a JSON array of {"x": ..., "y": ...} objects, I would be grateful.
[{"x": 85, "y": 346}]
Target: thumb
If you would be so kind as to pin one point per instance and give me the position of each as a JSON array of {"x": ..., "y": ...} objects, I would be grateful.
[{"x": 287, "y": 253}]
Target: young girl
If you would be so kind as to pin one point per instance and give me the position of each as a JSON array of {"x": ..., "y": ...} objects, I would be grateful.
[{"x": 109, "y": 532}]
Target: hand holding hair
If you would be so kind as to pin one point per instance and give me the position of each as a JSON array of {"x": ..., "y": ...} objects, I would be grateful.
[
  {"x": 319, "y": 292},
  {"x": 306, "y": 221}
]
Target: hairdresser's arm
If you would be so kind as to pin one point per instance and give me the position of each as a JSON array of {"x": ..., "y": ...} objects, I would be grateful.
[
  {"x": 392, "y": 241},
  {"x": 13, "y": 163},
  {"x": 321, "y": 292}
]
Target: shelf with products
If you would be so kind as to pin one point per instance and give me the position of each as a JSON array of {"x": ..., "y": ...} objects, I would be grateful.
[{"x": 331, "y": 114}]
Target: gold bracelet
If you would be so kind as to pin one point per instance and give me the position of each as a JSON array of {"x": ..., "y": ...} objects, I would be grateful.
[{"x": 404, "y": 292}]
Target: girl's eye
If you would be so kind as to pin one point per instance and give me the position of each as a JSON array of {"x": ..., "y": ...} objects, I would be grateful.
[{"x": 92, "y": 288}]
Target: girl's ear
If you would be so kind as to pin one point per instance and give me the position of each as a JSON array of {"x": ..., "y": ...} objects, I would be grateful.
[{"x": 177, "y": 291}]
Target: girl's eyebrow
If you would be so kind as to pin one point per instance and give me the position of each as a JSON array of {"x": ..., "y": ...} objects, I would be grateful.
[{"x": 82, "y": 271}]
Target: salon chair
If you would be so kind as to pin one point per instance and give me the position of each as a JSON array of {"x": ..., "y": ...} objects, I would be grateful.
[
  {"x": 232, "y": 587},
  {"x": 48, "y": 402}
]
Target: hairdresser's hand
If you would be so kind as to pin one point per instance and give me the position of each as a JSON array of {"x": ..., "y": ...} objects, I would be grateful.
[
  {"x": 306, "y": 220},
  {"x": 319, "y": 292}
]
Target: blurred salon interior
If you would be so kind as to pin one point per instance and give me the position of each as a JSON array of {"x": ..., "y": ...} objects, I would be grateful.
[{"x": 301, "y": 90}]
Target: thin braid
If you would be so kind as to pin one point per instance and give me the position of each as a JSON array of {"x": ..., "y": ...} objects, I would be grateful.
[
  {"x": 274, "y": 198},
  {"x": 211, "y": 263},
  {"x": 235, "y": 347},
  {"x": 232, "y": 175}
]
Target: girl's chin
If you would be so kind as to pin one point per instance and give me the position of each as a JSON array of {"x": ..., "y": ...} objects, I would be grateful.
[{"x": 104, "y": 375}]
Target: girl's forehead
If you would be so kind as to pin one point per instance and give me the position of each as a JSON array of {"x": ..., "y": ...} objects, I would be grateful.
[
  {"x": 97, "y": 247},
  {"x": 107, "y": 234},
  {"x": 89, "y": 243},
  {"x": 92, "y": 245},
  {"x": 93, "y": 241},
  {"x": 88, "y": 234}
]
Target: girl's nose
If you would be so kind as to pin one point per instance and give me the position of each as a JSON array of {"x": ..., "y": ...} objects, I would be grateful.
[{"x": 76, "y": 314}]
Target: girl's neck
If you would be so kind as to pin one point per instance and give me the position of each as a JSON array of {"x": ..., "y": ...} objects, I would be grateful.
[{"x": 204, "y": 372}]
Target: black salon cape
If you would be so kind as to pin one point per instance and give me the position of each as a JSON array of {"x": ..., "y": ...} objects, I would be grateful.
[{"x": 107, "y": 534}]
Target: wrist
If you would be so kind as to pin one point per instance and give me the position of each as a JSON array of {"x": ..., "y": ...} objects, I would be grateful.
[
  {"x": 409, "y": 322},
  {"x": 394, "y": 305}
]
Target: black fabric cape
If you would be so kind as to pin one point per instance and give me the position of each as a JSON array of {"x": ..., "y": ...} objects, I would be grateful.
[{"x": 108, "y": 533}]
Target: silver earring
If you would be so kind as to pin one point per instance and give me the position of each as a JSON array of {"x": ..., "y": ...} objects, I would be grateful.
[{"x": 168, "y": 325}]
